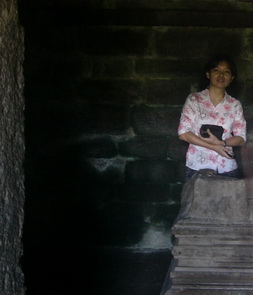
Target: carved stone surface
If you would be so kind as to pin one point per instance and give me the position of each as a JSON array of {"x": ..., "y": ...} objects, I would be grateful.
[
  {"x": 213, "y": 249},
  {"x": 12, "y": 149}
]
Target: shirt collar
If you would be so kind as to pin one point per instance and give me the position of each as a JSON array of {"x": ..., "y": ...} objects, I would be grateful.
[{"x": 206, "y": 94}]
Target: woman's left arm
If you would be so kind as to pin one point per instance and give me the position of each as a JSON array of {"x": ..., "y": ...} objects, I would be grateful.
[
  {"x": 238, "y": 128},
  {"x": 235, "y": 141}
]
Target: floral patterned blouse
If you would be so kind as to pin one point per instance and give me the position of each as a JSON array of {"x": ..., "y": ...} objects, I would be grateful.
[{"x": 199, "y": 109}]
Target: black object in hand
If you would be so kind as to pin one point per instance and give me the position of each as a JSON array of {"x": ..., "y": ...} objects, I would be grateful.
[{"x": 215, "y": 129}]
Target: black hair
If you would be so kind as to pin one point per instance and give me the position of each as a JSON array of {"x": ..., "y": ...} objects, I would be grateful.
[
  {"x": 212, "y": 63},
  {"x": 215, "y": 60}
]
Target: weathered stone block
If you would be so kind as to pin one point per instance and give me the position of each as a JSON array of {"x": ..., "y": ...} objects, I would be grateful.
[
  {"x": 113, "y": 68},
  {"x": 68, "y": 173},
  {"x": 176, "y": 148},
  {"x": 200, "y": 42},
  {"x": 221, "y": 5},
  {"x": 175, "y": 192},
  {"x": 155, "y": 121},
  {"x": 183, "y": 4},
  {"x": 248, "y": 93},
  {"x": 114, "y": 91},
  {"x": 155, "y": 237},
  {"x": 213, "y": 199},
  {"x": 144, "y": 147},
  {"x": 248, "y": 114},
  {"x": 246, "y": 161},
  {"x": 161, "y": 213},
  {"x": 250, "y": 40},
  {"x": 126, "y": 4},
  {"x": 143, "y": 192},
  {"x": 170, "y": 68},
  {"x": 181, "y": 171},
  {"x": 151, "y": 172},
  {"x": 109, "y": 119},
  {"x": 120, "y": 224},
  {"x": 93, "y": 147},
  {"x": 103, "y": 170},
  {"x": 115, "y": 41},
  {"x": 208, "y": 292},
  {"x": 173, "y": 92}
]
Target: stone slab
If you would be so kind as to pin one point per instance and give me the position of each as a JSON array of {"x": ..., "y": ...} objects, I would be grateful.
[
  {"x": 213, "y": 238},
  {"x": 208, "y": 292}
]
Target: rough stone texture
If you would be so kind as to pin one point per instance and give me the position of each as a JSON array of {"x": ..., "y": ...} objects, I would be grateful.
[
  {"x": 12, "y": 150},
  {"x": 200, "y": 42},
  {"x": 56, "y": 120},
  {"x": 176, "y": 148},
  {"x": 116, "y": 41},
  {"x": 166, "y": 91},
  {"x": 93, "y": 147},
  {"x": 215, "y": 201},
  {"x": 144, "y": 147},
  {"x": 209, "y": 292},
  {"x": 167, "y": 67},
  {"x": 156, "y": 121},
  {"x": 213, "y": 247},
  {"x": 145, "y": 193},
  {"x": 114, "y": 67},
  {"x": 150, "y": 171},
  {"x": 120, "y": 92}
]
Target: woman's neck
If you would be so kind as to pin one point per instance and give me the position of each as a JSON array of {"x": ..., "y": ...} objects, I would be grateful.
[{"x": 216, "y": 95}]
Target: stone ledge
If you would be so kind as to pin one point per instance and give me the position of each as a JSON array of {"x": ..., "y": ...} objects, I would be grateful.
[{"x": 208, "y": 292}]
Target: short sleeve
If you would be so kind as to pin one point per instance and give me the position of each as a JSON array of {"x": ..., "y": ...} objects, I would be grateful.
[
  {"x": 239, "y": 125},
  {"x": 187, "y": 115}
]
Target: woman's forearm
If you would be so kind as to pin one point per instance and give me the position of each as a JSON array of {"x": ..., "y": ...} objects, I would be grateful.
[
  {"x": 235, "y": 141},
  {"x": 196, "y": 140},
  {"x": 213, "y": 143}
]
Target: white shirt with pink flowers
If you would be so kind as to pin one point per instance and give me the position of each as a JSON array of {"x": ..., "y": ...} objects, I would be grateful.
[{"x": 199, "y": 109}]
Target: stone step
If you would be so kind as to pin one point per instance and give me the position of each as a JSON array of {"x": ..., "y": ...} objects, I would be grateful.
[
  {"x": 213, "y": 269},
  {"x": 207, "y": 292},
  {"x": 213, "y": 262},
  {"x": 214, "y": 278},
  {"x": 223, "y": 251}
]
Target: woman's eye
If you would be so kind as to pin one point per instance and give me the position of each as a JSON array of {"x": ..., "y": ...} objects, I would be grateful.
[{"x": 226, "y": 72}]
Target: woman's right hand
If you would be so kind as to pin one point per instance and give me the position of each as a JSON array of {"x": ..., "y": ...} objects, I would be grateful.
[
  {"x": 218, "y": 145},
  {"x": 223, "y": 151},
  {"x": 212, "y": 139},
  {"x": 212, "y": 143}
]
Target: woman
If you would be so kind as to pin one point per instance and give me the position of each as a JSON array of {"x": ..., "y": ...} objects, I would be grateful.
[{"x": 216, "y": 107}]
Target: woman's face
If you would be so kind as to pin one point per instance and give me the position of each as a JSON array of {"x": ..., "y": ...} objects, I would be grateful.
[{"x": 220, "y": 76}]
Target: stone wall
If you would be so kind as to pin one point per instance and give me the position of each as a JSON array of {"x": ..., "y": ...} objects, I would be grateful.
[
  {"x": 105, "y": 84},
  {"x": 12, "y": 149}
]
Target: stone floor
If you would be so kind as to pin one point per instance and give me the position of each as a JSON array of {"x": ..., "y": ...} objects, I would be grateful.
[{"x": 104, "y": 271}]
